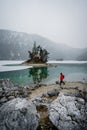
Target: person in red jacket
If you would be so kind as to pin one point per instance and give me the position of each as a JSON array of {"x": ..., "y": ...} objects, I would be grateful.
[{"x": 61, "y": 79}]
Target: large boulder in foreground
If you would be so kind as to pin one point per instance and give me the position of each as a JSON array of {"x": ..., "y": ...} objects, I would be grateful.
[
  {"x": 18, "y": 114},
  {"x": 68, "y": 113}
]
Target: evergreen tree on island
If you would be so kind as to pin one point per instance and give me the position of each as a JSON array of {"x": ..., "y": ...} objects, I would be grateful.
[{"x": 38, "y": 54}]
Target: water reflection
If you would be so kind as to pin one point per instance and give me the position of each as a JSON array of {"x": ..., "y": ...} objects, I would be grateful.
[{"x": 38, "y": 74}]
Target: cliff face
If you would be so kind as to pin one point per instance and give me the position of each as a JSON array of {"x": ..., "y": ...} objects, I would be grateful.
[{"x": 15, "y": 45}]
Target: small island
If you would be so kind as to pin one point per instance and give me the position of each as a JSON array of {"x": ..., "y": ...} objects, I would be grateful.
[{"x": 38, "y": 56}]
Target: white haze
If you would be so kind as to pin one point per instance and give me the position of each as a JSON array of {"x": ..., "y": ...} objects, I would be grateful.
[{"x": 62, "y": 21}]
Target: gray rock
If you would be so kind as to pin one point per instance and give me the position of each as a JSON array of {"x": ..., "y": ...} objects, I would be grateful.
[
  {"x": 25, "y": 93},
  {"x": 1, "y": 94},
  {"x": 80, "y": 101},
  {"x": 53, "y": 92},
  {"x": 68, "y": 113},
  {"x": 9, "y": 91},
  {"x": 4, "y": 99},
  {"x": 16, "y": 93},
  {"x": 18, "y": 114},
  {"x": 0, "y": 89},
  {"x": 6, "y": 84},
  {"x": 11, "y": 97},
  {"x": 7, "y": 88},
  {"x": 75, "y": 93},
  {"x": 45, "y": 95}
]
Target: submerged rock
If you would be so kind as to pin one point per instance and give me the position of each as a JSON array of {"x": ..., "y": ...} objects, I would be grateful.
[
  {"x": 69, "y": 113},
  {"x": 18, "y": 114}
]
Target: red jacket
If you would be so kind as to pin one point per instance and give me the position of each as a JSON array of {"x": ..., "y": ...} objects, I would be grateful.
[{"x": 61, "y": 77}]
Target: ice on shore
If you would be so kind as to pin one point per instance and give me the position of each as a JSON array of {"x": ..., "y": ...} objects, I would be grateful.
[{"x": 16, "y": 66}]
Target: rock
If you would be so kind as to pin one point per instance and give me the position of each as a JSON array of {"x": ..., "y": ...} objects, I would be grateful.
[
  {"x": 57, "y": 82},
  {"x": 6, "y": 84},
  {"x": 4, "y": 99},
  {"x": 11, "y": 97},
  {"x": 0, "y": 89},
  {"x": 25, "y": 93},
  {"x": 16, "y": 93},
  {"x": 18, "y": 114},
  {"x": 1, "y": 94},
  {"x": 8, "y": 91},
  {"x": 39, "y": 99},
  {"x": 7, "y": 88},
  {"x": 53, "y": 92},
  {"x": 68, "y": 113},
  {"x": 74, "y": 93},
  {"x": 40, "y": 102},
  {"x": 80, "y": 101},
  {"x": 85, "y": 93},
  {"x": 86, "y": 97},
  {"x": 44, "y": 95}
]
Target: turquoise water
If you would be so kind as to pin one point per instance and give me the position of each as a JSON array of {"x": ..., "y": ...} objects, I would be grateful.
[{"x": 47, "y": 75}]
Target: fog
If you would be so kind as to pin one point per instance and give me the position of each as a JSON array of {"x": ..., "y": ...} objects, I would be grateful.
[{"x": 62, "y": 21}]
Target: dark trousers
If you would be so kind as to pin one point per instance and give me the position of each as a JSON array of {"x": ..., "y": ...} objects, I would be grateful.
[{"x": 61, "y": 81}]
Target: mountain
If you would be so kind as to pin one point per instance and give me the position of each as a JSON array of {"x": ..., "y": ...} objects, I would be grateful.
[
  {"x": 15, "y": 46},
  {"x": 83, "y": 56}
]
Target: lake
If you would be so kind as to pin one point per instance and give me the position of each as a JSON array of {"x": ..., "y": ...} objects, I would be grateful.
[{"x": 28, "y": 75}]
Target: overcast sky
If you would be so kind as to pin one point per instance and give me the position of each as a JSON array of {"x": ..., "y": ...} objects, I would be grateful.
[{"x": 62, "y": 21}]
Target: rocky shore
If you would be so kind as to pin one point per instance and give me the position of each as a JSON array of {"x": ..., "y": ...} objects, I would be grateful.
[
  {"x": 44, "y": 107},
  {"x": 36, "y": 64}
]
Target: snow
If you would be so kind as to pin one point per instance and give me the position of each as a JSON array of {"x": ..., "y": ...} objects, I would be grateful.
[
  {"x": 68, "y": 62},
  {"x": 17, "y": 66}
]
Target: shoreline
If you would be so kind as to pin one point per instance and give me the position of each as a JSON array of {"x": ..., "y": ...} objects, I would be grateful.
[
  {"x": 46, "y": 94},
  {"x": 37, "y": 64},
  {"x": 42, "y": 96},
  {"x": 38, "y": 91}
]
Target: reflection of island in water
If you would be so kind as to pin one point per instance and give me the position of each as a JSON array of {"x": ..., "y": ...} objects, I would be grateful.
[{"x": 38, "y": 74}]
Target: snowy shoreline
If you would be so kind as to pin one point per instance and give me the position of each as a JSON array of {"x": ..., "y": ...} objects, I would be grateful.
[{"x": 18, "y": 66}]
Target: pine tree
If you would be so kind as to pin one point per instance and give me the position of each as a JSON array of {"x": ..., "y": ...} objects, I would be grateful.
[{"x": 38, "y": 54}]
